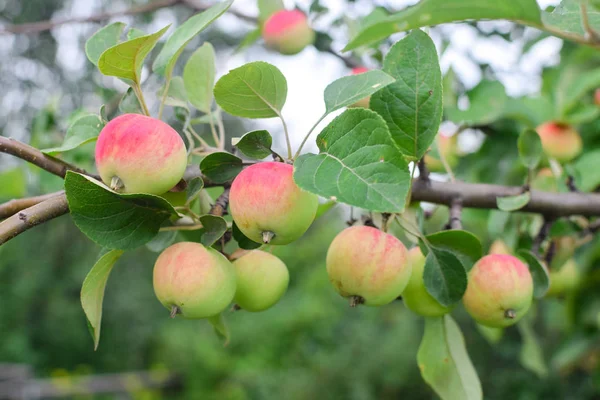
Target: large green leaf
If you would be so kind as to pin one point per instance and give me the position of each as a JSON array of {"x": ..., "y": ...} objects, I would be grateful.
[
  {"x": 349, "y": 89},
  {"x": 254, "y": 90},
  {"x": 531, "y": 355},
  {"x": 464, "y": 245},
  {"x": 444, "y": 362},
  {"x": 444, "y": 276},
  {"x": 113, "y": 220},
  {"x": 412, "y": 106},
  {"x": 199, "y": 77},
  {"x": 213, "y": 227},
  {"x": 358, "y": 164},
  {"x": 168, "y": 55},
  {"x": 435, "y": 12},
  {"x": 84, "y": 130},
  {"x": 103, "y": 39},
  {"x": 125, "y": 60},
  {"x": 92, "y": 291},
  {"x": 566, "y": 17}
]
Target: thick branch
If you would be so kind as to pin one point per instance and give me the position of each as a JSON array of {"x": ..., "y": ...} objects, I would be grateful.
[
  {"x": 34, "y": 27},
  {"x": 36, "y": 157},
  {"x": 32, "y": 216},
  {"x": 13, "y": 206},
  {"x": 484, "y": 196}
]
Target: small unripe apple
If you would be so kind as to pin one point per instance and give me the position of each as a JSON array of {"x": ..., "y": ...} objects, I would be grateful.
[
  {"x": 364, "y": 102},
  {"x": 262, "y": 279},
  {"x": 564, "y": 280},
  {"x": 368, "y": 266},
  {"x": 193, "y": 281},
  {"x": 268, "y": 206},
  {"x": 499, "y": 292},
  {"x": 499, "y": 247},
  {"x": 448, "y": 146},
  {"x": 544, "y": 181},
  {"x": 560, "y": 141},
  {"x": 139, "y": 154},
  {"x": 288, "y": 32},
  {"x": 415, "y": 296}
]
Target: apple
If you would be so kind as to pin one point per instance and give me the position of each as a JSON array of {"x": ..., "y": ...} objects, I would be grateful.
[
  {"x": 560, "y": 141},
  {"x": 288, "y": 32}
]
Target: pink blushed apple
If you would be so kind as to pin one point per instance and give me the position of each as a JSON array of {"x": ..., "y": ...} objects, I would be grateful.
[
  {"x": 368, "y": 266},
  {"x": 268, "y": 206},
  {"x": 500, "y": 291},
  {"x": 140, "y": 154},
  {"x": 288, "y": 31},
  {"x": 193, "y": 281},
  {"x": 560, "y": 141}
]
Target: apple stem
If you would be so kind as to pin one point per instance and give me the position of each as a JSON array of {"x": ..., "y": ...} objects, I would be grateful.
[
  {"x": 116, "y": 183},
  {"x": 356, "y": 301},
  {"x": 235, "y": 307},
  {"x": 267, "y": 236},
  {"x": 174, "y": 311},
  {"x": 510, "y": 313}
]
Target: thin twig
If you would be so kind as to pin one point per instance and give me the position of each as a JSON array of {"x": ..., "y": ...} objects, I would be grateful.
[
  {"x": 423, "y": 171},
  {"x": 14, "y": 206},
  {"x": 32, "y": 216},
  {"x": 220, "y": 207},
  {"x": 36, "y": 157},
  {"x": 34, "y": 27},
  {"x": 541, "y": 236}
]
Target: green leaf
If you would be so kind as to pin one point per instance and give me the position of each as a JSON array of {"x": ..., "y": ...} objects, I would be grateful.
[
  {"x": 242, "y": 240},
  {"x": 135, "y": 33},
  {"x": 130, "y": 104},
  {"x": 249, "y": 40},
  {"x": 161, "y": 241},
  {"x": 444, "y": 362},
  {"x": 539, "y": 273},
  {"x": 103, "y": 116},
  {"x": 464, "y": 245},
  {"x": 193, "y": 189},
  {"x": 492, "y": 335},
  {"x": 435, "y": 12},
  {"x": 221, "y": 167},
  {"x": 267, "y": 7},
  {"x": 445, "y": 276},
  {"x": 255, "y": 144},
  {"x": 531, "y": 356},
  {"x": 254, "y": 90},
  {"x": 488, "y": 102},
  {"x": 103, "y": 39},
  {"x": 513, "y": 203},
  {"x": 412, "y": 106},
  {"x": 125, "y": 60},
  {"x": 324, "y": 207},
  {"x": 567, "y": 17},
  {"x": 166, "y": 59},
  {"x": 213, "y": 227},
  {"x": 349, "y": 89},
  {"x": 588, "y": 171},
  {"x": 358, "y": 164},
  {"x": 199, "y": 77},
  {"x": 582, "y": 114},
  {"x": 176, "y": 96},
  {"x": 115, "y": 221},
  {"x": 14, "y": 183},
  {"x": 84, "y": 130},
  {"x": 92, "y": 291},
  {"x": 530, "y": 148}
]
